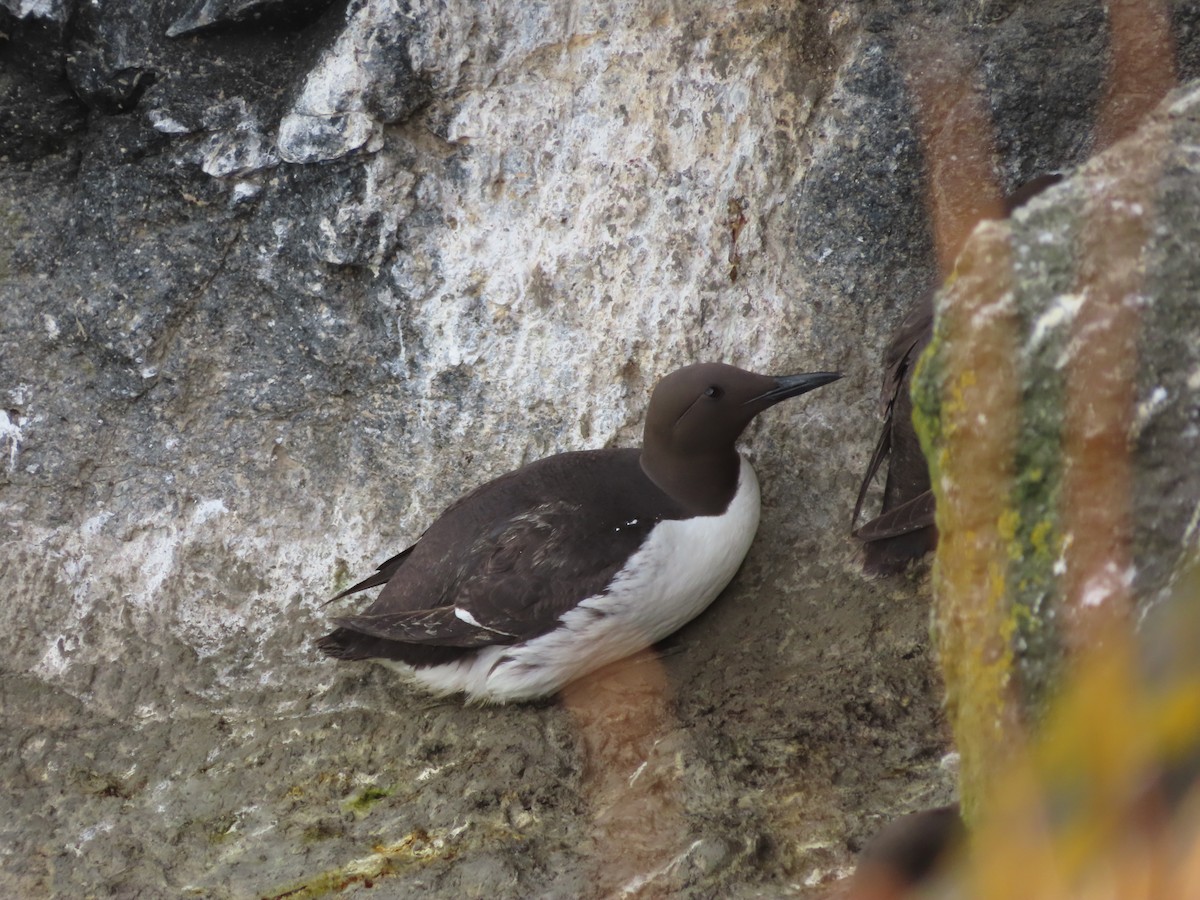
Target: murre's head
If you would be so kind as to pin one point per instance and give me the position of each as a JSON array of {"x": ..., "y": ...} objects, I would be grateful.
[{"x": 695, "y": 417}]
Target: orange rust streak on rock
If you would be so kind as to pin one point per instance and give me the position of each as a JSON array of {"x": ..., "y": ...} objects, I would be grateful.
[
  {"x": 980, "y": 406},
  {"x": 1097, "y": 473},
  {"x": 1143, "y": 67},
  {"x": 958, "y": 141},
  {"x": 622, "y": 712},
  {"x": 1102, "y": 374}
]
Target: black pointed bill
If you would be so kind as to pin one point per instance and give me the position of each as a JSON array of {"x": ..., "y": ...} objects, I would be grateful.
[{"x": 795, "y": 385}]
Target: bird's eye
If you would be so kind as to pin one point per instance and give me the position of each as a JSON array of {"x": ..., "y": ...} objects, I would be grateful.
[{"x": 714, "y": 391}]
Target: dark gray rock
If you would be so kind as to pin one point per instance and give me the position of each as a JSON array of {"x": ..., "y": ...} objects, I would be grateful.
[
  {"x": 1038, "y": 118},
  {"x": 39, "y": 113},
  {"x": 207, "y": 15},
  {"x": 109, "y": 60}
]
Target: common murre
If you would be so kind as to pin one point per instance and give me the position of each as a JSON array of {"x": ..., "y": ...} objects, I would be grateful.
[{"x": 580, "y": 559}]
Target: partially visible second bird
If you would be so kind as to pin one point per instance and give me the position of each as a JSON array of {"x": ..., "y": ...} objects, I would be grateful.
[{"x": 905, "y": 528}]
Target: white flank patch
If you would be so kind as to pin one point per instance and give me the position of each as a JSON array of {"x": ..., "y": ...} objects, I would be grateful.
[
  {"x": 675, "y": 575},
  {"x": 465, "y": 615}
]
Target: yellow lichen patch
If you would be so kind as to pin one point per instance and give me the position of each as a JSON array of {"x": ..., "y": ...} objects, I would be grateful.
[
  {"x": 977, "y": 660},
  {"x": 1008, "y": 523},
  {"x": 978, "y": 529},
  {"x": 966, "y": 411},
  {"x": 997, "y": 584},
  {"x": 1020, "y": 617},
  {"x": 926, "y": 403},
  {"x": 1039, "y": 538},
  {"x": 957, "y": 402}
]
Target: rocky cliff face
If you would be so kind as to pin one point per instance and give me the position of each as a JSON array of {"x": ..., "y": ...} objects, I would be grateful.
[{"x": 281, "y": 280}]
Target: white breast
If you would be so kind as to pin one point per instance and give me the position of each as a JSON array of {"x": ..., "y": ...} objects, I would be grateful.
[{"x": 679, "y": 570}]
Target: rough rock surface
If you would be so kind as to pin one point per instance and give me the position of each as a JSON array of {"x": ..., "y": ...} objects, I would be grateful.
[
  {"x": 276, "y": 288},
  {"x": 1061, "y": 402}
]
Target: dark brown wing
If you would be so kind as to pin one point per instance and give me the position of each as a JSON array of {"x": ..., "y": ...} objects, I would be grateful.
[
  {"x": 882, "y": 447},
  {"x": 919, "y": 512},
  {"x": 517, "y": 578},
  {"x": 904, "y": 529},
  {"x": 907, "y": 473},
  {"x": 506, "y": 562}
]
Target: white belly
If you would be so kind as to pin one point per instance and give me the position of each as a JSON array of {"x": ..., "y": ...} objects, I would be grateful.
[{"x": 676, "y": 574}]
